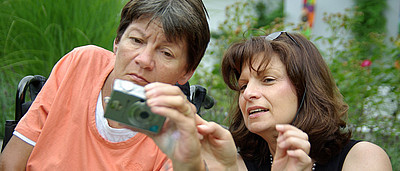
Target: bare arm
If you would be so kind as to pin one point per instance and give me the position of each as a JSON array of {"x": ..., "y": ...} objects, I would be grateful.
[
  {"x": 367, "y": 156},
  {"x": 241, "y": 164},
  {"x": 15, "y": 155}
]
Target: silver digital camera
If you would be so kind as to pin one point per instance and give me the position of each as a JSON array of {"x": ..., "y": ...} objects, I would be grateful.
[{"x": 127, "y": 105}]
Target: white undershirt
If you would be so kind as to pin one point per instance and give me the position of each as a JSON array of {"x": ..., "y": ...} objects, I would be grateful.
[{"x": 107, "y": 132}]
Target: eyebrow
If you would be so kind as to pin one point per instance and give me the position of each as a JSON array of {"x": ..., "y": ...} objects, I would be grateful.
[
  {"x": 178, "y": 44},
  {"x": 142, "y": 33},
  {"x": 137, "y": 30},
  {"x": 272, "y": 70}
]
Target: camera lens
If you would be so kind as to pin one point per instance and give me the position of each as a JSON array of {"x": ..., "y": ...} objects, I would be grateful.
[
  {"x": 144, "y": 115},
  {"x": 140, "y": 116}
]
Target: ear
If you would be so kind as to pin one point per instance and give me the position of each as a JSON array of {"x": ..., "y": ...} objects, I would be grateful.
[
  {"x": 115, "y": 47},
  {"x": 185, "y": 78}
]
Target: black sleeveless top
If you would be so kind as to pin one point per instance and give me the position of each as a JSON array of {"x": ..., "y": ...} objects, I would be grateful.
[{"x": 335, "y": 164}]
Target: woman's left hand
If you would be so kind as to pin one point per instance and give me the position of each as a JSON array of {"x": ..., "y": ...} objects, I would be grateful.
[
  {"x": 218, "y": 148},
  {"x": 292, "y": 149}
]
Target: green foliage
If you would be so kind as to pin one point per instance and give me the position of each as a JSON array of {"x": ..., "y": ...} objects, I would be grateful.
[
  {"x": 369, "y": 18},
  {"x": 367, "y": 73},
  {"x": 366, "y": 24},
  {"x": 35, "y": 34},
  {"x": 265, "y": 15}
]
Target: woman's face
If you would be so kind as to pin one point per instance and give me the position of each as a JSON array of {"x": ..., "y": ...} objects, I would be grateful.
[
  {"x": 266, "y": 98},
  {"x": 143, "y": 55}
]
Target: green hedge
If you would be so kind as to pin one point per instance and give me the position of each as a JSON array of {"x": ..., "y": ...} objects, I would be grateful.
[{"x": 35, "y": 34}]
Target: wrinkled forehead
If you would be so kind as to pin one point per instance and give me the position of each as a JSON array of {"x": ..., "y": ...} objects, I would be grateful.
[{"x": 169, "y": 31}]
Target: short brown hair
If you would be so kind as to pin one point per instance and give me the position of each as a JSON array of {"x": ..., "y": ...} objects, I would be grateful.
[
  {"x": 323, "y": 112},
  {"x": 180, "y": 19}
]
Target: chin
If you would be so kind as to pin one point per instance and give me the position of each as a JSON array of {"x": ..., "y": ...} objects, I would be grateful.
[{"x": 258, "y": 127}]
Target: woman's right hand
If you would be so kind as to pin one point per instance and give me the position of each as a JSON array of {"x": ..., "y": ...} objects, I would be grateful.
[
  {"x": 217, "y": 146},
  {"x": 292, "y": 149}
]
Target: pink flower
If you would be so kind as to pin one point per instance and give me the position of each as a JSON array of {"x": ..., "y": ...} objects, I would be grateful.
[
  {"x": 397, "y": 64},
  {"x": 366, "y": 63}
]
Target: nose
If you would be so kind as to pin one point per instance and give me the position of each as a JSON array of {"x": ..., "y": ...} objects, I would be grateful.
[
  {"x": 251, "y": 92},
  {"x": 145, "y": 58}
]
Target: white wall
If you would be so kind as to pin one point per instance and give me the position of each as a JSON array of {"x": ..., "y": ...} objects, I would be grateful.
[
  {"x": 320, "y": 28},
  {"x": 216, "y": 11},
  {"x": 392, "y": 17}
]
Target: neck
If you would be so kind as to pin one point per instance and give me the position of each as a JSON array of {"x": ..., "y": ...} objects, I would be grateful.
[
  {"x": 272, "y": 147},
  {"x": 106, "y": 92},
  {"x": 271, "y": 140},
  {"x": 107, "y": 86}
]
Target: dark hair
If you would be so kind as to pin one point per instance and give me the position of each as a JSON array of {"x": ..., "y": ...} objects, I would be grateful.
[
  {"x": 323, "y": 112},
  {"x": 180, "y": 19}
]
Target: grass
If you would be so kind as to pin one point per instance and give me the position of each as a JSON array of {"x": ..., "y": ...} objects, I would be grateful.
[{"x": 35, "y": 34}]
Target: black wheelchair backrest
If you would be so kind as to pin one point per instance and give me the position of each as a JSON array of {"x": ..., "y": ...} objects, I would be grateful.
[{"x": 35, "y": 84}]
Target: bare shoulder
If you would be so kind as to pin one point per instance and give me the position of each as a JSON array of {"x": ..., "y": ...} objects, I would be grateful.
[{"x": 367, "y": 156}]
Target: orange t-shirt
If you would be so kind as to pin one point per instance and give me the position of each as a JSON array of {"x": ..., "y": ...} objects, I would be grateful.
[{"x": 62, "y": 121}]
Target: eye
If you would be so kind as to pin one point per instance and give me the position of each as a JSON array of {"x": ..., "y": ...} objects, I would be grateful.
[
  {"x": 167, "y": 54},
  {"x": 268, "y": 79},
  {"x": 136, "y": 40},
  {"x": 242, "y": 87}
]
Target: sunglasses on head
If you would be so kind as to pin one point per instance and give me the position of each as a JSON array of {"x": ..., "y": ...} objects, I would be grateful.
[{"x": 275, "y": 35}]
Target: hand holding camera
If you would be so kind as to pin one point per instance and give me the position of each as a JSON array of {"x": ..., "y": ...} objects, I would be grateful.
[
  {"x": 134, "y": 105},
  {"x": 127, "y": 105}
]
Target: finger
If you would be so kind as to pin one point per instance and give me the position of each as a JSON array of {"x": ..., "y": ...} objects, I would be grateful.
[
  {"x": 300, "y": 155},
  {"x": 177, "y": 102},
  {"x": 199, "y": 121},
  {"x": 290, "y": 131},
  {"x": 157, "y": 89},
  {"x": 190, "y": 109},
  {"x": 296, "y": 134},
  {"x": 295, "y": 143},
  {"x": 174, "y": 115},
  {"x": 167, "y": 100},
  {"x": 291, "y": 137},
  {"x": 169, "y": 96},
  {"x": 214, "y": 129},
  {"x": 292, "y": 134}
]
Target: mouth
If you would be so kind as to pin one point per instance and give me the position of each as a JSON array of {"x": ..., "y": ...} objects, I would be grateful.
[
  {"x": 255, "y": 110},
  {"x": 138, "y": 79}
]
